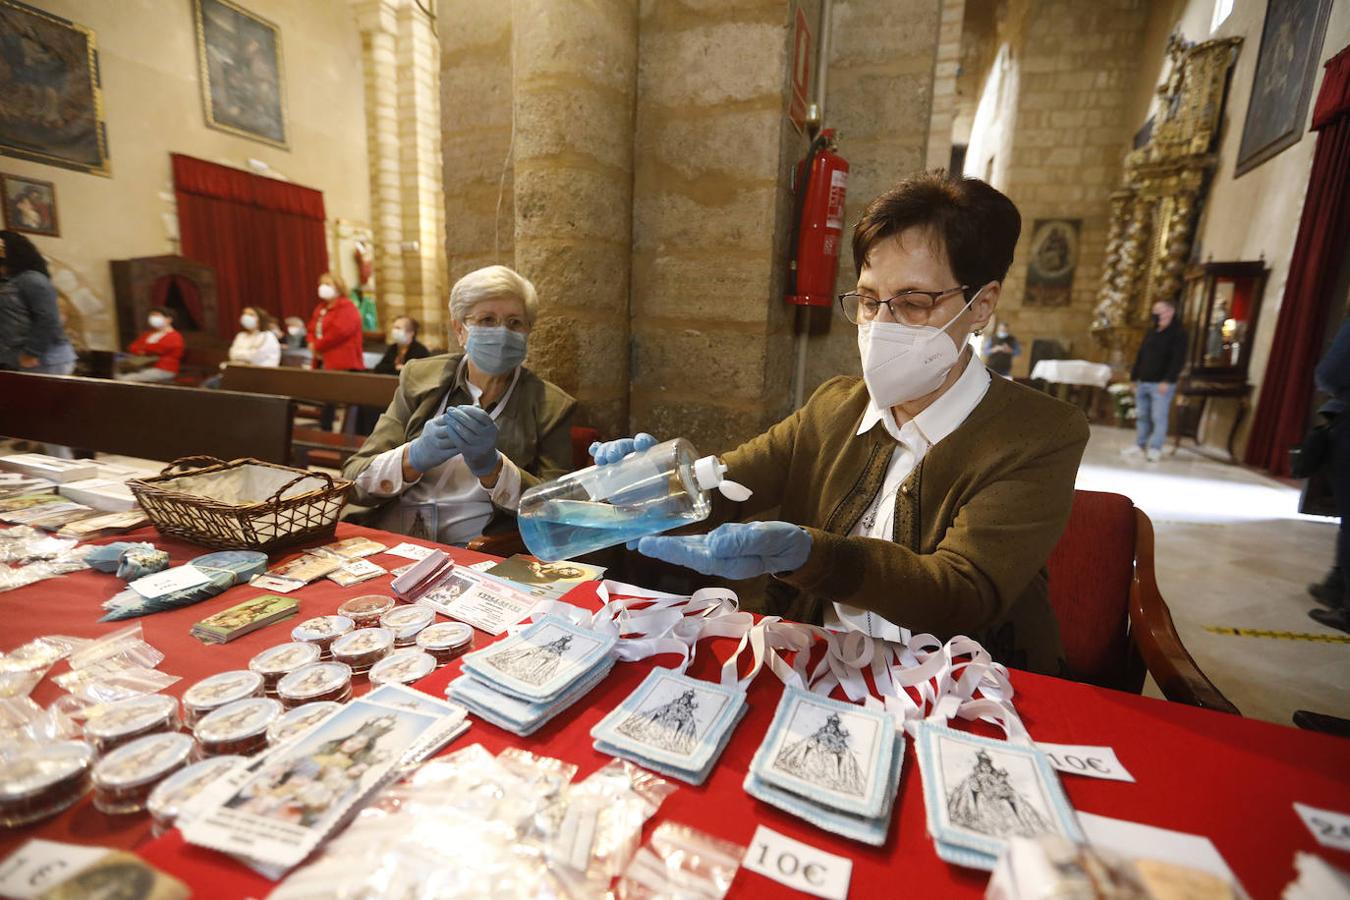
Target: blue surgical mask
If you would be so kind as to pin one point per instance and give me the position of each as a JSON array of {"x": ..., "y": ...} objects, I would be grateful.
[{"x": 495, "y": 350}]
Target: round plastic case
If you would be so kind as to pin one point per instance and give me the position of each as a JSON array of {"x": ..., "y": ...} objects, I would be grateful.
[
  {"x": 239, "y": 729},
  {"x": 43, "y": 780},
  {"x": 322, "y": 631},
  {"x": 366, "y": 611},
  {"x": 125, "y": 777},
  {"x": 276, "y": 662},
  {"x": 316, "y": 681},
  {"x": 406, "y": 622},
  {"x": 403, "y": 667},
  {"x": 363, "y": 648},
  {"x": 113, "y": 724},
  {"x": 298, "y": 720},
  {"x": 212, "y": 693},
  {"x": 170, "y": 794},
  {"x": 446, "y": 640}
]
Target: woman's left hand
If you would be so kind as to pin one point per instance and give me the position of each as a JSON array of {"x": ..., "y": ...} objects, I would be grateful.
[
  {"x": 737, "y": 551},
  {"x": 476, "y": 434}
]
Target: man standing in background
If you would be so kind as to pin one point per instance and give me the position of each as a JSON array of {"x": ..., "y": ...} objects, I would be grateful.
[{"x": 1156, "y": 370}]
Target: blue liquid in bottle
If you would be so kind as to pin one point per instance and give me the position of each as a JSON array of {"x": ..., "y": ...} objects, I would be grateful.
[{"x": 646, "y": 493}]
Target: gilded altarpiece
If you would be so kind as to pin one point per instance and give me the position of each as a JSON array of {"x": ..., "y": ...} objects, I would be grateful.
[{"x": 1153, "y": 214}]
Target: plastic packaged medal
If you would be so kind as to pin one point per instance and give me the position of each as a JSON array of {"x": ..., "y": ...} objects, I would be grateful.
[
  {"x": 168, "y": 797},
  {"x": 403, "y": 667},
  {"x": 124, "y": 778},
  {"x": 316, "y": 681},
  {"x": 274, "y": 663},
  {"x": 446, "y": 640},
  {"x": 363, "y": 648},
  {"x": 406, "y": 622},
  {"x": 210, "y": 694},
  {"x": 300, "y": 719},
  {"x": 111, "y": 725},
  {"x": 239, "y": 729},
  {"x": 43, "y": 780},
  {"x": 322, "y": 631},
  {"x": 366, "y": 611}
]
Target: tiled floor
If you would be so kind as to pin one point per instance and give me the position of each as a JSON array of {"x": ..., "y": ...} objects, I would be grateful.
[{"x": 1233, "y": 551}]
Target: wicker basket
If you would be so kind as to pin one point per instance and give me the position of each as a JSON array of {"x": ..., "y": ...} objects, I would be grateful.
[{"x": 241, "y": 505}]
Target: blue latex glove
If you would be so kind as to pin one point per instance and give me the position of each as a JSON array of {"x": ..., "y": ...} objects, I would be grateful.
[
  {"x": 735, "y": 551},
  {"x": 476, "y": 433},
  {"x": 435, "y": 445},
  {"x": 606, "y": 452}
]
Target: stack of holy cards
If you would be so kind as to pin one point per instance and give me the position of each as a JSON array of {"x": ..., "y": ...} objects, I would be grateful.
[
  {"x": 243, "y": 618},
  {"x": 673, "y": 724},
  {"x": 522, "y": 682},
  {"x": 834, "y": 764}
]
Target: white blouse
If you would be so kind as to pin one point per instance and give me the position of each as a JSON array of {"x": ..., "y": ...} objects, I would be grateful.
[{"x": 258, "y": 348}]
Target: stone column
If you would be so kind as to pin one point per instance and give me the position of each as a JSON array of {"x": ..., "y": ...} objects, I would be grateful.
[
  {"x": 944, "y": 84},
  {"x": 378, "y": 23},
  {"x": 574, "y": 77}
]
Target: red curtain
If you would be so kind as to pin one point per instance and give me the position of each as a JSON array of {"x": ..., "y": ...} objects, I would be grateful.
[
  {"x": 1323, "y": 236},
  {"x": 264, "y": 237}
]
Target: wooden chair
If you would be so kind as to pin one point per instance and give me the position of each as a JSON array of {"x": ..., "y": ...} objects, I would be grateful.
[
  {"x": 1113, "y": 621},
  {"x": 314, "y": 445},
  {"x": 149, "y": 421}
]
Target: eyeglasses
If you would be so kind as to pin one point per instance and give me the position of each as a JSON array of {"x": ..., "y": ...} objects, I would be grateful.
[
  {"x": 492, "y": 320},
  {"x": 909, "y": 307}
]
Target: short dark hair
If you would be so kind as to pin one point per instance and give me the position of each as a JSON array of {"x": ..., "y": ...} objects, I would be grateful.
[
  {"x": 978, "y": 225},
  {"x": 416, "y": 326},
  {"x": 165, "y": 312},
  {"x": 21, "y": 255}
]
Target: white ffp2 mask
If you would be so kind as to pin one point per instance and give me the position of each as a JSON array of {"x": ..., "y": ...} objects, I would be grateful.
[
  {"x": 327, "y": 291},
  {"x": 902, "y": 362}
]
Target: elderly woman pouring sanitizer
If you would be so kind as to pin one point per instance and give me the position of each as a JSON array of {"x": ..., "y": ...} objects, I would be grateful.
[{"x": 466, "y": 432}]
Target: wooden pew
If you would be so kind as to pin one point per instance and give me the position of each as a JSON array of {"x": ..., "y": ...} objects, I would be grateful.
[
  {"x": 314, "y": 445},
  {"x": 149, "y": 421}
]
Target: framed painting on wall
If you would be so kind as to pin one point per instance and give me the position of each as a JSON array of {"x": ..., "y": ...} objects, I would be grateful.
[
  {"x": 243, "y": 85},
  {"x": 1054, "y": 259},
  {"x": 30, "y": 205},
  {"x": 1286, "y": 66},
  {"x": 51, "y": 103}
]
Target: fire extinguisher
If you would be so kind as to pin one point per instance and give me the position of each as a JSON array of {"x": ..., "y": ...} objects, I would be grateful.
[{"x": 818, "y": 223}]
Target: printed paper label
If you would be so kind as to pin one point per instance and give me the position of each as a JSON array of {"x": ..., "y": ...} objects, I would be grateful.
[
  {"x": 1332, "y": 829},
  {"x": 179, "y": 578},
  {"x": 797, "y": 865},
  {"x": 1081, "y": 759},
  {"x": 39, "y": 865}
]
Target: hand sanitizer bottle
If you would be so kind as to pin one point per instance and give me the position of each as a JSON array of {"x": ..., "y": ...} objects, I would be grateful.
[{"x": 663, "y": 487}]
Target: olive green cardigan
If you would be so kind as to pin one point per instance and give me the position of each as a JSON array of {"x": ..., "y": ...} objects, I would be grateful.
[
  {"x": 534, "y": 429},
  {"x": 974, "y": 523}
]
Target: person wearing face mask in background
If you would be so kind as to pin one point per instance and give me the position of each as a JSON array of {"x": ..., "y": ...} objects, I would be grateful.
[
  {"x": 466, "y": 432},
  {"x": 163, "y": 344},
  {"x": 1000, "y": 349},
  {"x": 335, "y": 335},
  {"x": 255, "y": 344},
  {"x": 926, "y": 494},
  {"x": 1157, "y": 366},
  {"x": 295, "y": 333},
  {"x": 403, "y": 346}
]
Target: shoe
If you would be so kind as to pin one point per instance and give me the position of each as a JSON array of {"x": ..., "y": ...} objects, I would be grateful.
[
  {"x": 1134, "y": 451},
  {"x": 1311, "y": 721},
  {"x": 1330, "y": 591},
  {"x": 1332, "y": 618},
  {"x": 1154, "y": 454}
]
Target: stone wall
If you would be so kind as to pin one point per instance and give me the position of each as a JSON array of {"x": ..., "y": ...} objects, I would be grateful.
[
  {"x": 879, "y": 96},
  {"x": 1076, "y": 67}
]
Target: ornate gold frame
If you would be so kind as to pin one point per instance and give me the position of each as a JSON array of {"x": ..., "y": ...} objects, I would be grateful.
[
  {"x": 205, "y": 76},
  {"x": 104, "y": 167},
  {"x": 1153, "y": 213}
]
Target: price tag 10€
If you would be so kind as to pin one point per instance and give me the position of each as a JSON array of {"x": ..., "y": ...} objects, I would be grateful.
[
  {"x": 1080, "y": 759},
  {"x": 798, "y": 865}
]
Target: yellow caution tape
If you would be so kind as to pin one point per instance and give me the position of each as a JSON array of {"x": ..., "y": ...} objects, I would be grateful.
[{"x": 1281, "y": 635}]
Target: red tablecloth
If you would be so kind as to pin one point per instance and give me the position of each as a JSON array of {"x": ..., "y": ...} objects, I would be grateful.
[{"x": 1231, "y": 779}]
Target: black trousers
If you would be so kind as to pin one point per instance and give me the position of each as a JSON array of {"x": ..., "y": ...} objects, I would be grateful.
[{"x": 1340, "y": 486}]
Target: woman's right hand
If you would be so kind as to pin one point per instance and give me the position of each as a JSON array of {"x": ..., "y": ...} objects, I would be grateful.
[{"x": 606, "y": 452}]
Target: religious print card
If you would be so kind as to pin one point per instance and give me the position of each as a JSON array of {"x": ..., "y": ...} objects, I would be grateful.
[
  {"x": 980, "y": 792},
  {"x": 541, "y": 662},
  {"x": 488, "y": 604},
  {"x": 401, "y": 696},
  {"x": 672, "y": 720},
  {"x": 355, "y": 572},
  {"x": 868, "y": 830},
  {"x": 351, "y": 548},
  {"x": 277, "y": 810},
  {"x": 832, "y": 753},
  {"x": 296, "y": 573},
  {"x": 545, "y": 580}
]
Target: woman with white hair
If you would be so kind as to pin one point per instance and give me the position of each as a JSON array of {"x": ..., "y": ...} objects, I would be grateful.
[{"x": 466, "y": 432}]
